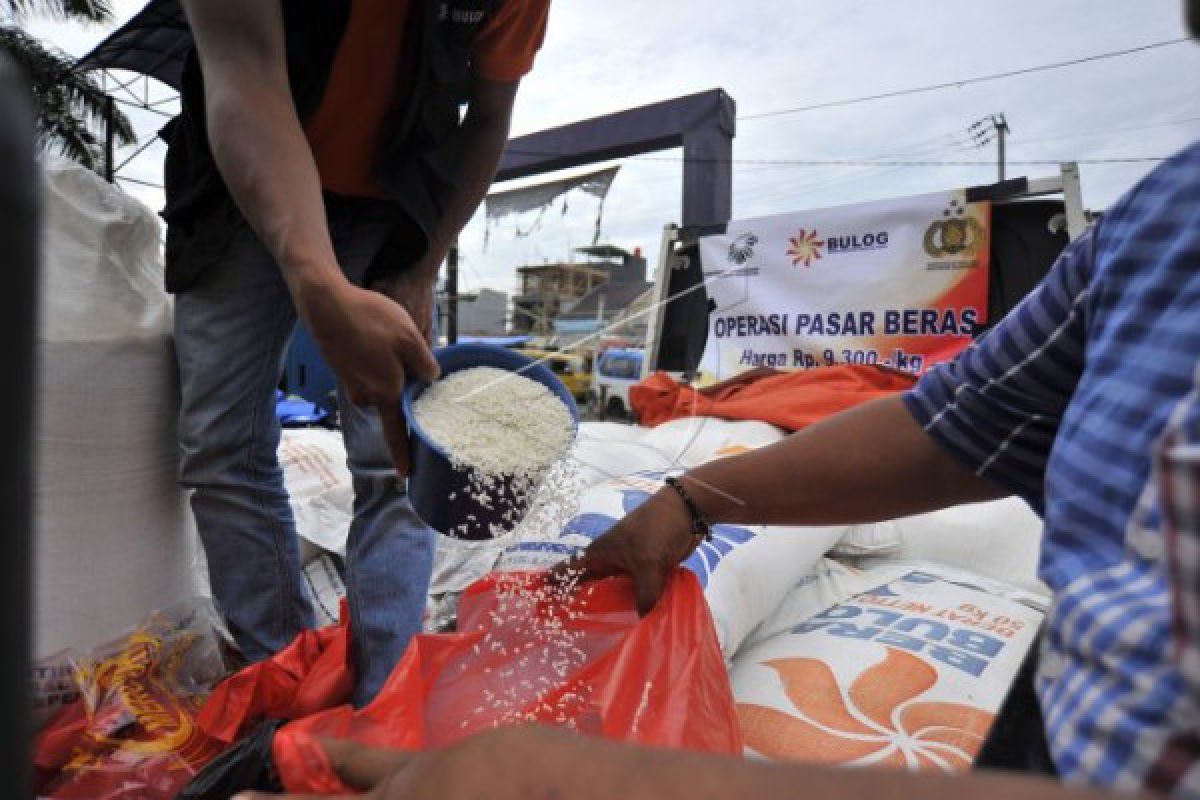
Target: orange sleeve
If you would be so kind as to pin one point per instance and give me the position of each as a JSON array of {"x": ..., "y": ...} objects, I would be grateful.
[{"x": 505, "y": 48}]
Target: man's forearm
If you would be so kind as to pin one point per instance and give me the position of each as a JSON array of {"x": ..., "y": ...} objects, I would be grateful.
[
  {"x": 257, "y": 140},
  {"x": 662, "y": 775},
  {"x": 479, "y": 145},
  {"x": 268, "y": 166},
  {"x": 867, "y": 464},
  {"x": 538, "y": 763}
]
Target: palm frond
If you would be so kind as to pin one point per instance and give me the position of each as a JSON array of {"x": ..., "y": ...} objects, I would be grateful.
[
  {"x": 73, "y": 140},
  {"x": 76, "y": 10},
  {"x": 69, "y": 105}
]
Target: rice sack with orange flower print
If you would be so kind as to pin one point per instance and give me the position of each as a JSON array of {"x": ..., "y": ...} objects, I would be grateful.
[{"x": 908, "y": 674}]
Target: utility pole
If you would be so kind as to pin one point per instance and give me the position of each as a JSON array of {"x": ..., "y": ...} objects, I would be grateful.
[
  {"x": 452, "y": 294},
  {"x": 1001, "y": 125},
  {"x": 110, "y": 136},
  {"x": 992, "y": 128}
]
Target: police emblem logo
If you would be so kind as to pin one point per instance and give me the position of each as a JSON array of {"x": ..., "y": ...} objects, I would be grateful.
[{"x": 957, "y": 233}]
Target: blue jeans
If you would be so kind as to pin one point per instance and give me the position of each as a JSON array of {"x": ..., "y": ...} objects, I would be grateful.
[{"x": 232, "y": 330}]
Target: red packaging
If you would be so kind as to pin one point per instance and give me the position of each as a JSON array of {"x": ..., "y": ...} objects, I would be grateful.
[
  {"x": 311, "y": 674},
  {"x": 133, "y": 733},
  {"x": 582, "y": 661}
]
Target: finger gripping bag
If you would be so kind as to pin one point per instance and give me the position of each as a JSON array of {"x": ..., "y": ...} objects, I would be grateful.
[
  {"x": 745, "y": 571},
  {"x": 525, "y": 653}
]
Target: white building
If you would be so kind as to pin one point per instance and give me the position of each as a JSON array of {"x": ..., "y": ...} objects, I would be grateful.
[{"x": 482, "y": 313}]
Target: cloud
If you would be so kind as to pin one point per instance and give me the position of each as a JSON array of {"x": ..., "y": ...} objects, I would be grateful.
[{"x": 773, "y": 54}]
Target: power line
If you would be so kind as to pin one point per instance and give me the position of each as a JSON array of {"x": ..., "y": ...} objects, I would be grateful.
[
  {"x": 866, "y": 162},
  {"x": 848, "y": 162},
  {"x": 964, "y": 81},
  {"x": 1107, "y": 131},
  {"x": 139, "y": 182}
]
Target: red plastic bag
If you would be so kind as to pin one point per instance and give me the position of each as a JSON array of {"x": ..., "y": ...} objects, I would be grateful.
[
  {"x": 524, "y": 653},
  {"x": 311, "y": 674},
  {"x": 133, "y": 733}
]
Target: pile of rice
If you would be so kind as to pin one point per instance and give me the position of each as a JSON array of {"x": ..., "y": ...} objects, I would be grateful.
[{"x": 496, "y": 422}]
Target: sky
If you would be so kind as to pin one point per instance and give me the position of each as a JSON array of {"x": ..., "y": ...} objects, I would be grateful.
[{"x": 601, "y": 57}]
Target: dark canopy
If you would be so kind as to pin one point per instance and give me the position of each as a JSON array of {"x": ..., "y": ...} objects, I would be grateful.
[{"x": 153, "y": 42}]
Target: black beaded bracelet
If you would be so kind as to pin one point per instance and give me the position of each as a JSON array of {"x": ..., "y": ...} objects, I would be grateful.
[{"x": 700, "y": 525}]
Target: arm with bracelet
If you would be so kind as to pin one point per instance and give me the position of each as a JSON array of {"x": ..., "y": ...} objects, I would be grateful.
[{"x": 870, "y": 463}]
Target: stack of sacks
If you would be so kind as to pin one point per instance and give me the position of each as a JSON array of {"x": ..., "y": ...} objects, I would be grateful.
[
  {"x": 322, "y": 497},
  {"x": 871, "y": 656},
  {"x": 113, "y": 533}
]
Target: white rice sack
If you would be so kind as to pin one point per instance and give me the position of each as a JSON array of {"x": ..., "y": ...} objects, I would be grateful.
[
  {"x": 1001, "y": 539},
  {"x": 319, "y": 486},
  {"x": 112, "y": 528},
  {"x": 691, "y": 441},
  {"x": 745, "y": 570},
  {"x": 828, "y": 583},
  {"x": 907, "y": 674},
  {"x": 457, "y": 563},
  {"x": 607, "y": 450},
  {"x": 870, "y": 539},
  {"x": 325, "y": 589}
]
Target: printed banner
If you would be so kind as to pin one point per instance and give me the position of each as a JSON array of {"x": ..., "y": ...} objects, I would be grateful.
[{"x": 901, "y": 283}]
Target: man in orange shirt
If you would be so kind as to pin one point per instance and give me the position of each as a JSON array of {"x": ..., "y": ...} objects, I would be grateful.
[{"x": 320, "y": 167}]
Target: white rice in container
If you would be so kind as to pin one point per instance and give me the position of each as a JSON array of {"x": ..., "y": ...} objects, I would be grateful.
[{"x": 503, "y": 428}]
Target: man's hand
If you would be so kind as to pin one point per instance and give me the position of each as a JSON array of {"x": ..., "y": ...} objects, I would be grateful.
[
  {"x": 413, "y": 289},
  {"x": 373, "y": 345},
  {"x": 646, "y": 545},
  {"x": 536, "y": 763},
  {"x": 492, "y": 765}
]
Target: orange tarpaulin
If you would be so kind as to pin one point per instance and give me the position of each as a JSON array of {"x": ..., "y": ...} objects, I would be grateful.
[{"x": 791, "y": 400}]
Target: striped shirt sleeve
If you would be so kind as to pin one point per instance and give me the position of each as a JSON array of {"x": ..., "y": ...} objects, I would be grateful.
[{"x": 997, "y": 407}]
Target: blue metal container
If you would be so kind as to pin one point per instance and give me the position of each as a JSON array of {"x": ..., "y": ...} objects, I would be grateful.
[{"x": 433, "y": 479}]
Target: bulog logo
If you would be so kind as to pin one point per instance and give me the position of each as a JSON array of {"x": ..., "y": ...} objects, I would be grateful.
[
  {"x": 806, "y": 248},
  {"x": 856, "y": 242}
]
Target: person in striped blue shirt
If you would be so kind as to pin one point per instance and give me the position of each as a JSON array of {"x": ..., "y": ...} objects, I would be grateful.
[{"x": 1061, "y": 404}]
